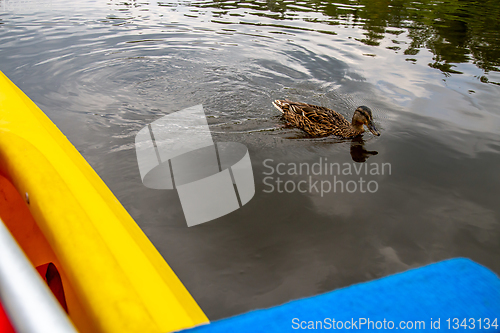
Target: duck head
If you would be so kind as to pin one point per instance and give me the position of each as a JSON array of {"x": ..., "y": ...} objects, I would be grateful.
[{"x": 363, "y": 116}]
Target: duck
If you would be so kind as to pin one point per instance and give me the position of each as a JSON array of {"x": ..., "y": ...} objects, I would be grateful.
[{"x": 319, "y": 121}]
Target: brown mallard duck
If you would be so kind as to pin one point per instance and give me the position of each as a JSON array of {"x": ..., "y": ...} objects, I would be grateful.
[{"x": 320, "y": 121}]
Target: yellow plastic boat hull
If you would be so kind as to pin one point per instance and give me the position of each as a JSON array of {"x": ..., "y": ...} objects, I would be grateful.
[{"x": 60, "y": 211}]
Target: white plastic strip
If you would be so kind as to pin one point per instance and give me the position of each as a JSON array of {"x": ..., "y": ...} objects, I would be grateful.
[{"x": 28, "y": 301}]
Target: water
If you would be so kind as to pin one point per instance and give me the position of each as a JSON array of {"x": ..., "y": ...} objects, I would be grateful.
[{"x": 429, "y": 71}]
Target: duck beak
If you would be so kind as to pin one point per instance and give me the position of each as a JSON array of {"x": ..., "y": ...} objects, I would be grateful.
[{"x": 373, "y": 129}]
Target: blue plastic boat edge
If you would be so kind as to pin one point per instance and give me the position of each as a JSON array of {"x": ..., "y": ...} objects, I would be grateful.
[{"x": 437, "y": 296}]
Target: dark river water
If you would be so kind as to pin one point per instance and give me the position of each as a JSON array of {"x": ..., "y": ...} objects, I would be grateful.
[{"x": 428, "y": 69}]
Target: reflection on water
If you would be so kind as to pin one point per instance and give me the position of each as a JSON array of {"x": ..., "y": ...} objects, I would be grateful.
[
  {"x": 453, "y": 31},
  {"x": 102, "y": 71},
  {"x": 358, "y": 151}
]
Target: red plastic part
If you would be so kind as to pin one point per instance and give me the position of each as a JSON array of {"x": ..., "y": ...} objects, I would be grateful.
[
  {"x": 51, "y": 276},
  {"x": 5, "y": 325}
]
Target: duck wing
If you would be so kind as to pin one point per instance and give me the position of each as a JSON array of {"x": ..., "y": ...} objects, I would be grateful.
[{"x": 319, "y": 115}]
